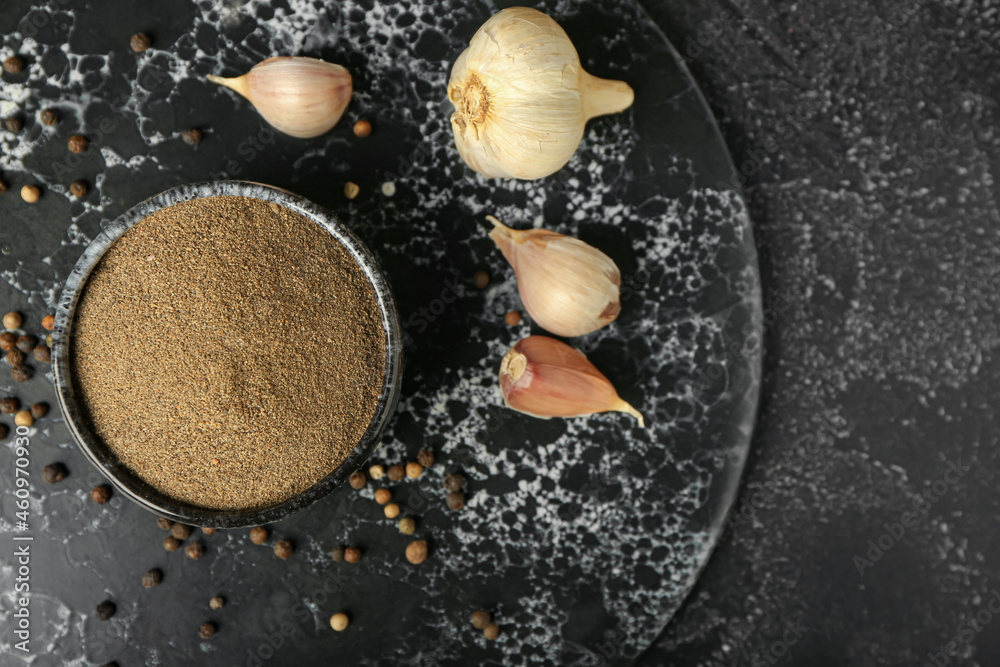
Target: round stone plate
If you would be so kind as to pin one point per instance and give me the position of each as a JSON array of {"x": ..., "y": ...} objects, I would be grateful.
[{"x": 581, "y": 536}]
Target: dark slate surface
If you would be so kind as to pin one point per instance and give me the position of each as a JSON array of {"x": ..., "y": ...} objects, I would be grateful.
[
  {"x": 868, "y": 130},
  {"x": 574, "y": 529}
]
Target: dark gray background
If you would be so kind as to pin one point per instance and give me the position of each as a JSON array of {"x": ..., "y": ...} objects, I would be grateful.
[{"x": 877, "y": 223}]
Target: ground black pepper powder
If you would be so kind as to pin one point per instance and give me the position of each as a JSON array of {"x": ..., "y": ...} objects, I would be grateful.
[{"x": 179, "y": 352}]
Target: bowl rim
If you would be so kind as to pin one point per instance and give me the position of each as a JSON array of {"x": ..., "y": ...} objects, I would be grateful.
[{"x": 130, "y": 484}]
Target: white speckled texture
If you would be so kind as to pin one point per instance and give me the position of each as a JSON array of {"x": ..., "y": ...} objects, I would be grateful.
[{"x": 576, "y": 533}]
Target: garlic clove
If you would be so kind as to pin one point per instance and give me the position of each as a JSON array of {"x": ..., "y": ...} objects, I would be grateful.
[
  {"x": 569, "y": 287},
  {"x": 544, "y": 378},
  {"x": 302, "y": 97},
  {"x": 522, "y": 98}
]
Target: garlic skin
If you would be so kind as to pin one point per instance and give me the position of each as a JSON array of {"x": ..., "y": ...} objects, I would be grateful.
[
  {"x": 302, "y": 97},
  {"x": 522, "y": 98},
  {"x": 568, "y": 287},
  {"x": 544, "y": 378}
]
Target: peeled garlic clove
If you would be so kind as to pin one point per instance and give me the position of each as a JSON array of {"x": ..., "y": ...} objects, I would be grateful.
[
  {"x": 522, "y": 98},
  {"x": 302, "y": 97},
  {"x": 569, "y": 287},
  {"x": 544, "y": 377}
]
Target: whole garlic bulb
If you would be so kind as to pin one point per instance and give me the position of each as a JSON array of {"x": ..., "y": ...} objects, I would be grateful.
[
  {"x": 302, "y": 97},
  {"x": 569, "y": 287},
  {"x": 522, "y": 98}
]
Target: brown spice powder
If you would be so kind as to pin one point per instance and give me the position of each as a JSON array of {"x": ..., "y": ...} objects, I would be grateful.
[{"x": 230, "y": 351}]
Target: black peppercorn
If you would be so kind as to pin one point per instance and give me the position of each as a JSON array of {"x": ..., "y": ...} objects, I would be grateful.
[
  {"x": 49, "y": 117},
  {"x": 171, "y": 543},
  {"x": 181, "y": 531},
  {"x": 206, "y": 630},
  {"x": 15, "y": 357},
  {"x": 164, "y": 523},
  {"x": 195, "y": 550},
  {"x": 43, "y": 354},
  {"x": 455, "y": 500},
  {"x": 140, "y": 42},
  {"x": 39, "y": 410},
  {"x": 8, "y": 339},
  {"x": 357, "y": 480},
  {"x": 425, "y": 458},
  {"x": 191, "y": 137},
  {"x": 3, "y": 431},
  {"x": 20, "y": 373},
  {"x": 13, "y": 65},
  {"x": 481, "y": 279},
  {"x": 9, "y": 405},
  {"x": 453, "y": 482},
  {"x": 14, "y": 124},
  {"x": 54, "y": 472},
  {"x": 77, "y": 143},
  {"x": 105, "y": 610},
  {"x": 152, "y": 578},
  {"x": 396, "y": 473},
  {"x": 79, "y": 188},
  {"x": 100, "y": 494},
  {"x": 480, "y": 619},
  {"x": 26, "y": 343},
  {"x": 282, "y": 549},
  {"x": 3, "y": 186},
  {"x": 13, "y": 320}
]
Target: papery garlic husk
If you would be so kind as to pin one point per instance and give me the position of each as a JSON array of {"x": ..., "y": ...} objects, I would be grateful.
[
  {"x": 568, "y": 287},
  {"x": 522, "y": 98},
  {"x": 544, "y": 377},
  {"x": 302, "y": 97}
]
